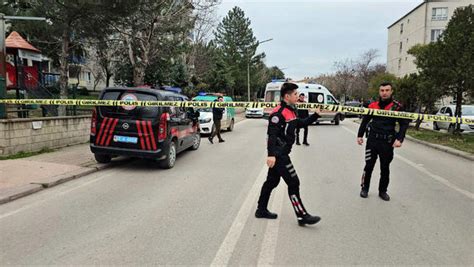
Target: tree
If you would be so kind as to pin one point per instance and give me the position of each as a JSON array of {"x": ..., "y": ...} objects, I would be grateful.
[
  {"x": 375, "y": 82},
  {"x": 69, "y": 24},
  {"x": 237, "y": 46},
  {"x": 344, "y": 78},
  {"x": 449, "y": 63},
  {"x": 417, "y": 94},
  {"x": 154, "y": 31}
]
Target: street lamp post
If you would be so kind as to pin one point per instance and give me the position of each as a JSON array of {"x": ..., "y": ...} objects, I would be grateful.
[
  {"x": 3, "y": 67},
  {"x": 248, "y": 70}
]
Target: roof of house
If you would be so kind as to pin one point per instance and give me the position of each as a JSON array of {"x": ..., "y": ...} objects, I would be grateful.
[
  {"x": 14, "y": 40},
  {"x": 424, "y": 2}
]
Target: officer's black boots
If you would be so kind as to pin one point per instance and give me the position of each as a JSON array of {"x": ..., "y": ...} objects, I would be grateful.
[
  {"x": 384, "y": 196},
  {"x": 306, "y": 143},
  {"x": 308, "y": 219},
  {"x": 265, "y": 214},
  {"x": 210, "y": 140},
  {"x": 364, "y": 193}
]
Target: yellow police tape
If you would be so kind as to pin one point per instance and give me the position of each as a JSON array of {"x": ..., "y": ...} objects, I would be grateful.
[{"x": 203, "y": 104}]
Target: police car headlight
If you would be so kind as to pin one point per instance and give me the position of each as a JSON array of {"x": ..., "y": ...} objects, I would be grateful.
[{"x": 205, "y": 120}]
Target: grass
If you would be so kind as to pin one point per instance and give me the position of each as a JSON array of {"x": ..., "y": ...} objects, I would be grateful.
[
  {"x": 23, "y": 154},
  {"x": 464, "y": 142}
]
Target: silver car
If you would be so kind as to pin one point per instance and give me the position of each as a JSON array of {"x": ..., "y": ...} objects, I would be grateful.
[{"x": 467, "y": 112}]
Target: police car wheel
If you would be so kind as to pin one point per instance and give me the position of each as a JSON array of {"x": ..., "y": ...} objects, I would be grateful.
[
  {"x": 196, "y": 142},
  {"x": 101, "y": 158},
  {"x": 170, "y": 159},
  {"x": 231, "y": 126}
]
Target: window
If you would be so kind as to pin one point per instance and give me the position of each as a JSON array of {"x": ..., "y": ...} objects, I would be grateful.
[
  {"x": 442, "y": 110},
  {"x": 272, "y": 96},
  {"x": 88, "y": 76},
  {"x": 435, "y": 34},
  {"x": 449, "y": 112},
  {"x": 401, "y": 28},
  {"x": 315, "y": 98},
  {"x": 399, "y": 63},
  {"x": 331, "y": 100},
  {"x": 439, "y": 13},
  {"x": 401, "y": 46}
]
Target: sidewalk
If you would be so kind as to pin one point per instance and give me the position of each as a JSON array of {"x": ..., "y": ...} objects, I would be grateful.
[{"x": 21, "y": 177}]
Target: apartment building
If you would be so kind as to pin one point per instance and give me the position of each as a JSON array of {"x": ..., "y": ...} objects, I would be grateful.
[{"x": 422, "y": 25}]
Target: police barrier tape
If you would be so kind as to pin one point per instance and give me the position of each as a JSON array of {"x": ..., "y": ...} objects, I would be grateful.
[{"x": 203, "y": 104}]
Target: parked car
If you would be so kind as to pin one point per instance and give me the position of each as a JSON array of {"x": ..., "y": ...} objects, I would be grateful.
[
  {"x": 254, "y": 113},
  {"x": 145, "y": 132},
  {"x": 314, "y": 93},
  {"x": 352, "y": 104},
  {"x": 467, "y": 112},
  {"x": 206, "y": 123}
]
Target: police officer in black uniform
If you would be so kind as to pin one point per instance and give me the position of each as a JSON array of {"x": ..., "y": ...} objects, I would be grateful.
[
  {"x": 382, "y": 138},
  {"x": 302, "y": 114},
  {"x": 217, "y": 114},
  {"x": 282, "y": 125}
]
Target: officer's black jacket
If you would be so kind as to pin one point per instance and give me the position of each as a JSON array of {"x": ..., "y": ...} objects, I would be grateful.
[
  {"x": 282, "y": 124},
  {"x": 384, "y": 125}
]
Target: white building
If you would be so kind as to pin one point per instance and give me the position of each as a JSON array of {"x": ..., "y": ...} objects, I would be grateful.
[{"x": 422, "y": 25}]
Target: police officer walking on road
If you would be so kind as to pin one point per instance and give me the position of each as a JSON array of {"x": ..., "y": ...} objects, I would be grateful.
[
  {"x": 302, "y": 114},
  {"x": 282, "y": 125},
  {"x": 217, "y": 117},
  {"x": 382, "y": 138}
]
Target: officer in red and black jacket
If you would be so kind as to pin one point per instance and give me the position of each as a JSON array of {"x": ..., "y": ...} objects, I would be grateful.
[
  {"x": 382, "y": 138},
  {"x": 282, "y": 125}
]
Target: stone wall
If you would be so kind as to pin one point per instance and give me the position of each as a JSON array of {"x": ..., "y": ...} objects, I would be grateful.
[{"x": 30, "y": 135}]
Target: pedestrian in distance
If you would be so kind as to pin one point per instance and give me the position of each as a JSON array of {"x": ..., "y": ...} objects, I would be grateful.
[
  {"x": 217, "y": 114},
  {"x": 302, "y": 114}
]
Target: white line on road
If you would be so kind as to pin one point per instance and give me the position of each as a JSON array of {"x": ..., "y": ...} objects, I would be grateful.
[
  {"x": 50, "y": 197},
  {"x": 270, "y": 238},
  {"x": 425, "y": 171},
  {"x": 227, "y": 247},
  {"x": 436, "y": 177}
]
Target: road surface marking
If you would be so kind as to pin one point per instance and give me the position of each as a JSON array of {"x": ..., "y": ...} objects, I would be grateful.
[
  {"x": 428, "y": 173},
  {"x": 227, "y": 247},
  {"x": 270, "y": 238}
]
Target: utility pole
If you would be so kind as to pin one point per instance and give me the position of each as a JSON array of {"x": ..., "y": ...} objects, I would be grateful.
[
  {"x": 248, "y": 69},
  {"x": 3, "y": 67}
]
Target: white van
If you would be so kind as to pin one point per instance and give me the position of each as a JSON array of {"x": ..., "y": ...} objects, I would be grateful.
[{"x": 314, "y": 93}]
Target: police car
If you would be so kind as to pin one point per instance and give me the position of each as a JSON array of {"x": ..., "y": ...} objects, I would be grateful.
[{"x": 145, "y": 132}]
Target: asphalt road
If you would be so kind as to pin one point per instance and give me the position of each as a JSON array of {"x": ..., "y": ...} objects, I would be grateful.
[{"x": 201, "y": 212}]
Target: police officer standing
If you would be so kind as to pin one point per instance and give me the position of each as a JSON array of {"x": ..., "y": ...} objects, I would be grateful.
[
  {"x": 302, "y": 114},
  {"x": 382, "y": 138},
  {"x": 217, "y": 117},
  {"x": 282, "y": 125}
]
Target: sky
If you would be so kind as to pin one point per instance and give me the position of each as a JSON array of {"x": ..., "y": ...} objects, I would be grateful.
[{"x": 310, "y": 35}]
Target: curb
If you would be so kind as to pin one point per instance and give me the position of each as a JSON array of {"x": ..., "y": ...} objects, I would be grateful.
[
  {"x": 29, "y": 189},
  {"x": 446, "y": 149}
]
